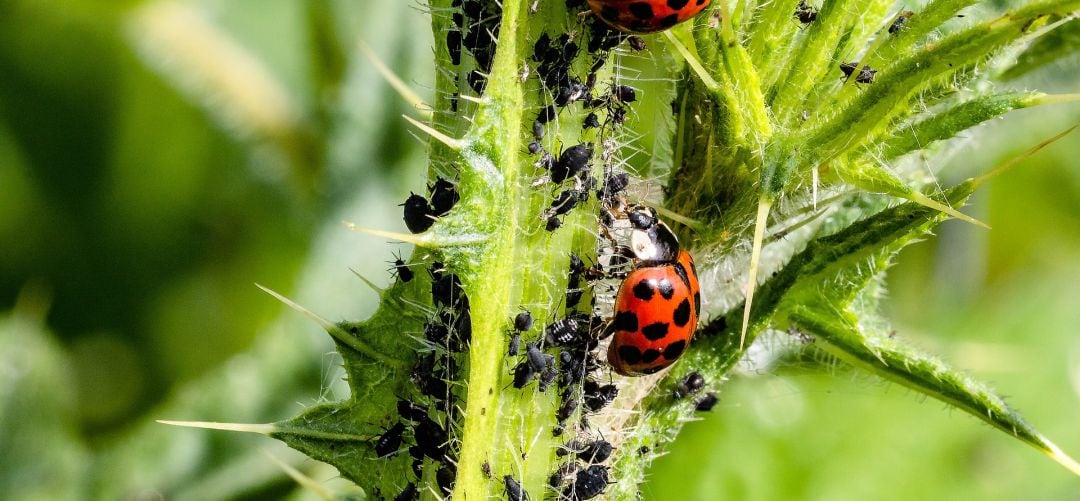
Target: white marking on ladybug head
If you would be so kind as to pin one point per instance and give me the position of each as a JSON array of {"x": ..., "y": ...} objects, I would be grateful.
[{"x": 643, "y": 245}]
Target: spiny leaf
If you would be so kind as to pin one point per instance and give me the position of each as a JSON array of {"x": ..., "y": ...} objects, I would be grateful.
[
  {"x": 878, "y": 103},
  {"x": 947, "y": 123},
  {"x": 1057, "y": 44},
  {"x": 839, "y": 333}
]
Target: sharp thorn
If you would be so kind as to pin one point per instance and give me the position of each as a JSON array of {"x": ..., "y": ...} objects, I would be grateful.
[
  {"x": 996, "y": 171},
  {"x": 301, "y": 479},
  {"x": 262, "y": 429},
  {"x": 755, "y": 258},
  {"x": 400, "y": 86},
  {"x": 376, "y": 288},
  {"x": 324, "y": 323},
  {"x": 418, "y": 240},
  {"x": 450, "y": 142}
]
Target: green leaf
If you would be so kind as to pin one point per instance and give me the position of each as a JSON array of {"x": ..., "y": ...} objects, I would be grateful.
[{"x": 41, "y": 453}]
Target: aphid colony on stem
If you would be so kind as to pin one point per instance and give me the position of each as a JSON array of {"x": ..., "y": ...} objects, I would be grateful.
[{"x": 658, "y": 302}]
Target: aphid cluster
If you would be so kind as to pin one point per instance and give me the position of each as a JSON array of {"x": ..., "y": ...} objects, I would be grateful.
[
  {"x": 583, "y": 476},
  {"x": 564, "y": 83},
  {"x": 424, "y": 420},
  {"x": 476, "y": 29},
  {"x": 421, "y": 212}
]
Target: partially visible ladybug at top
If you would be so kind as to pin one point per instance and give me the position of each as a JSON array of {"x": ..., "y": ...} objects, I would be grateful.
[
  {"x": 646, "y": 16},
  {"x": 658, "y": 303}
]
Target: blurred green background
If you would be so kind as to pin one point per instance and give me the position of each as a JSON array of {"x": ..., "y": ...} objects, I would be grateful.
[{"x": 157, "y": 159}]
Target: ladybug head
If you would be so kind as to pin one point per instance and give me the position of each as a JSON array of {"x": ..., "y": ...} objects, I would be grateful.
[{"x": 651, "y": 241}]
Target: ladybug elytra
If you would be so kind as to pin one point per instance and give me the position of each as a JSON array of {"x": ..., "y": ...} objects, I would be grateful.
[
  {"x": 646, "y": 16},
  {"x": 658, "y": 303}
]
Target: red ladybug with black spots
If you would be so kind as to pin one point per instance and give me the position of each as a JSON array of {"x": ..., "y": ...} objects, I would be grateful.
[
  {"x": 658, "y": 304},
  {"x": 646, "y": 16}
]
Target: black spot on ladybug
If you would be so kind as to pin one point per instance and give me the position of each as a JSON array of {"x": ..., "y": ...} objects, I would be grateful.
[
  {"x": 626, "y": 321},
  {"x": 697, "y": 302},
  {"x": 655, "y": 331},
  {"x": 675, "y": 350},
  {"x": 677, "y": 4},
  {"x": 667, "y": 291},
  {"x": 644, "y": 290},
  {"x": 669, "y": 21},
  {"x": 682, "y": 313},
  {"x": 629, "y": 354},
  {"x": 641, "y": 10},
  {"x": 649, "y": 356}
]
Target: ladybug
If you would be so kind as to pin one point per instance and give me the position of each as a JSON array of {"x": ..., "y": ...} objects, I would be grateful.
[
  {"x": 646, "y": 16},
  {"x": 658, "y": 303}
]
